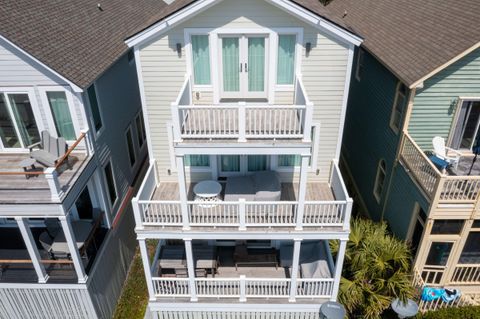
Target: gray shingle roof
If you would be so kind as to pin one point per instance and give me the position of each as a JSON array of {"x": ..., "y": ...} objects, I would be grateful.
[{"x": 413, "y": 37}]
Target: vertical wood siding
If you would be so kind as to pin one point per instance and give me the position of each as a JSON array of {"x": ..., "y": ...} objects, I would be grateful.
[
  {"x": 435, "y": 105},
  {"x": 323, "y": 70}
]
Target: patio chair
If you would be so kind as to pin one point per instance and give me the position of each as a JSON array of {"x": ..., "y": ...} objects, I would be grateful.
[
  {"x": 46, "y": 242},
  {"x": 443, "y": 152},
  {"x": 49, "y": 150}
]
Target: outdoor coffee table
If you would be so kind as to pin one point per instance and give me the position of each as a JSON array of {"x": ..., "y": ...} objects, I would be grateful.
[
  {"x": 28, "y": 165},
  {"x": 207, "y": 192}
]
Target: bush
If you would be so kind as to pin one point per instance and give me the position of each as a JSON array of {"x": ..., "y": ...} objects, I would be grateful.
[{"x": 470, "y": 312}]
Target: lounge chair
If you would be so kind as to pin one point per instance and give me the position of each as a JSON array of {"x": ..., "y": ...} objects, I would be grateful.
[
  {"x": 49, "y": 150},
  {"x": 451, "y": 156}
]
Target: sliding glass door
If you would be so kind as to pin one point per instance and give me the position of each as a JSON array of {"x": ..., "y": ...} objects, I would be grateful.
[
  {"x": 18, "y": 127},
  {"x": 466, "y": 129},
  {"x": 243, "y": 66}
]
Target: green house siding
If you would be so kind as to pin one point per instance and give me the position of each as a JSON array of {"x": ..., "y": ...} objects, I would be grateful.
[
  {"x": 368, "y": 136},
  {"x": 401, "y": 203},
  {"x": 434, "y": 105}
]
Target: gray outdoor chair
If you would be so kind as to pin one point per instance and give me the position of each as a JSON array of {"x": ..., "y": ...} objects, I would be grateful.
[
  {"x": 49, "y": 150},
  {"x": 46, "y": 242}
]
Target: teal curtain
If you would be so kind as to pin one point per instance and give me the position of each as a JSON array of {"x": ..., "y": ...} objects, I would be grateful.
[
  {"x": 288, "y": 160},
  {"x": 256, "y": 64},
  {"x": 257, "y": 163},
  {"x": 201, "y": 59},
  {"x": 197, "y": 160},
  {"x": 24, "y": 118},
  {"x": 231, "y": 65},
  {"x": 7, "y": 129},
  {"x": 230, "y": 163},
  {"x": 286, "y": 59},
  {"x": 61, "y": 115}
]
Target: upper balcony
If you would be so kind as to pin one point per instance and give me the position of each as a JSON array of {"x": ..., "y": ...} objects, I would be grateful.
[
  {"x": 452, "y": 186},
  {"x": 36, "y": 183},
  {"x": 242, "y": 121}
]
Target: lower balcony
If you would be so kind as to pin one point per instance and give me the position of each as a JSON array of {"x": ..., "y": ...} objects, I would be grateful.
[
  {"x": 326, "y": 206},
  {"x": 243, "y": 271}
]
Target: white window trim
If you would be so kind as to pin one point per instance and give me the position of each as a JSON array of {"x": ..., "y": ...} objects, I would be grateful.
[
  {"x": 129, "y": 129},
  {"x": 30, "y": 91},
  {"x": 458, "y": 106},
  {"x": 92, "y": 120},
  {"x": 395, "y": 100},
  {"x": 378, "y": 197},
  {"x": 43, "y": 90},
  {"x": 360, "y": 61},
  {"x": 109, "y": 202}
]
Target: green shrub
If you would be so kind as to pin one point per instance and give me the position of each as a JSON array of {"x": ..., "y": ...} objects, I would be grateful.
[{"x": 469, "y": 312}]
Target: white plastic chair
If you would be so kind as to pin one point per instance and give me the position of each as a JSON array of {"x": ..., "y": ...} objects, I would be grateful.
[{"x": 444, "y": 152}]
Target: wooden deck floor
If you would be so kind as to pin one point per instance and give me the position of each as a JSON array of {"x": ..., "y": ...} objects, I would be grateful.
[
  {"x": 315, "y": 191},
  {"x": 17, "y": 189}
]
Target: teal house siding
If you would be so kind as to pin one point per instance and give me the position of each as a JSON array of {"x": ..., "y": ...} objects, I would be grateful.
[
  {"x": 368, "y": 136},
  {"x": 434, "y": 104},
  {"x": 401, "y": 202}
]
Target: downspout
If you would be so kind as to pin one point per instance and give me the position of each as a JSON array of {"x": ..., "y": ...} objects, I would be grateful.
[{"x": 406, "y": 122}]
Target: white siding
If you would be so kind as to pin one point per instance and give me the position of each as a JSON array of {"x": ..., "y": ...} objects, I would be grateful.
[{"x": 323, "y": 71}]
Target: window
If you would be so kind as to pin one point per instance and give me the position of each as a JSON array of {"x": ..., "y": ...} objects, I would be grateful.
[
  {"x": 398, "y": 107},
  {"x": 286, "y": 58},
  {"x": 257, "y": 163},
  {"x": 84, "y": 205},
  {"x": 417, "y": 233},
  {"x": 61, "y": 115},
  {"x": 92, "y": 98},
  {"x": 197, "y": 160},
  {"x": 289, "y": 160},
  {"x": 465, "y": 134},
  {"x": 201, "y": 60},
  {"x": 130, "y": 57},
  {"x": 438, "y": 254},
  {"x": 230, "y": 163},
  {"x": 131, "y": 149},
  {"x": 112, "y": 189},
  {"x": 447, "y": 226},
  {"x": 141, "y": 134},
  {"x": 360, "y": 64},
  {"x": 379, "y": 180},
  {"x": 471, "y": 250}
]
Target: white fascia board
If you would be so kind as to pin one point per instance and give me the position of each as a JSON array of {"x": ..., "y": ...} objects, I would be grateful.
[
  {"x": 202, "y": 5},
  {"x": 31, "y": 210},
  {"x": 235, "y": 307},
  {"x": 75, "y": 87},
  {"x": 246, "y": 149}
]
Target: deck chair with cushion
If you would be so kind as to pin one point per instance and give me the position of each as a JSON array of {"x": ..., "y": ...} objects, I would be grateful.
[
  {"x": 451, "y": 156},
  {"x": 49, "y": 150}
]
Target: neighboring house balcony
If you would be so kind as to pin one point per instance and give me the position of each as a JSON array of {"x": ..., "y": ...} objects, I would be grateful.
[
  {"x": 242, "y": 120},
  {"x": 29, "y": 181},
  {"x": 278, "y": 205},
  {"x": 238, "y": 270},
  {"x": 458, "y": 185}
]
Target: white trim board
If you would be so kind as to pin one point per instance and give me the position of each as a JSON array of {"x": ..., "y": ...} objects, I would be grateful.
[
  {"x": 75, "y": 87},
  {"x": 202, "y": 5}
]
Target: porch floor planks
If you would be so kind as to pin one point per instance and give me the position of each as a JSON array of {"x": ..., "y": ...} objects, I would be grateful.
[
  {"x": 315, "y": 191},
  {"x": 16, "y": 189}
]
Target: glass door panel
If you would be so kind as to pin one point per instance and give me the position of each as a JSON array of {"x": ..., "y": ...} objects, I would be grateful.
[
  {"x": 8, "y": 133},
  {"x": 257, "y": 163},
  {"x": 61, "y": 115},
  {"x": 24, "y": 118},
  {"x": 229, "y": 164},
  {"x": 466, "y": 129},
  {"x": 231, "y": 64},
  {"x": 256, "y": 64},
  {"x": 436, "y": 262}
]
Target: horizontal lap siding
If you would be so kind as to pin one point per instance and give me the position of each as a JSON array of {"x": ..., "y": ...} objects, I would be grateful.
[
  {"x": 435, "y": 104},
  {"x": 324, "y": 72}
]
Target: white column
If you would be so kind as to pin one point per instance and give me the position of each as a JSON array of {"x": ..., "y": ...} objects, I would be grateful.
[
  {"x": 32, "y": 249},
  {"x": 338, "y": 268},
  {"x": 307, "y": 124},
  {"x": 146, "y": 268},
  {"x": 176, "y": 123},
  {"x": 182, "y": 186},
  {"x": 88, "y": 144},
  {"x": 190, "y": 269},
  {"x": 242, "y": 214},
  {"x": 51, "y": 176},
  {"x": 302, "y": 191},
  {"x": 242, "y": 122},
  {"x": 72, "y": 247},
  {"x": 243, "y": 288},
  {"x": 294, "y": 275}
]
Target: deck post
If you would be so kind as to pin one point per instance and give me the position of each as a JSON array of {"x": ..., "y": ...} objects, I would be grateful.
[
  {"x": 348, "y": 214},
  {"x": 190, "y": 269},
  {"x": 182, "y": 186},
  {"x": 294, "y": 274},
  {"x": 302, "y": 191},
  {"x": 243, "y": 288},
  {"x": 32, "y": 249},
  {"x": 73, "y": 248},
  {"x": 338, "y": 268},
  {"x": 242, "y": 122},
  {"x": 88, "y": 144},
  {"x": 177, "y": 136},
  {"x": 137, "y": 214},
  {"x": 146, "y": 267},
  {"x": 51, "y": 176},
  {"x": 242, "y": 214},
  {"x": 307, "y": 123}
]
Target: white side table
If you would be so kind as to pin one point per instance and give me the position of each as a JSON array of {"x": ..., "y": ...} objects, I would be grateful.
[{"x": 207, "y": 192}]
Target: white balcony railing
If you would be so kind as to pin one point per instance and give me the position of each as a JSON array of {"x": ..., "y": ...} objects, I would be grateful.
[
  {"x": 241, "y": 121},
  {"x": 242, "y": 214},
  {"x": 243, "y": 287}
]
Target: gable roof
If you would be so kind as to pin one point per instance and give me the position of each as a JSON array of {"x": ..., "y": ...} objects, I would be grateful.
[{"x": 413, "y": 38}]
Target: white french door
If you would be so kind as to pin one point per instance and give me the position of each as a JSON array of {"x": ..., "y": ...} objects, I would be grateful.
[
  {"x": 230, "y": 165},
  {"x": 243, "y": 66}
]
